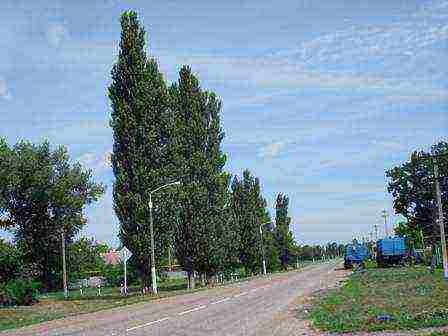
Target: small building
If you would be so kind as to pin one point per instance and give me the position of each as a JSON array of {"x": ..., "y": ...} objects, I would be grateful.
[{"x": 111, "y": 258}]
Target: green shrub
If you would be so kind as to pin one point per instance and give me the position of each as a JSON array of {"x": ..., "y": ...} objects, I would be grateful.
[
  {"x": 19, "y": 292},
  {"x": 10, "y": 261}
]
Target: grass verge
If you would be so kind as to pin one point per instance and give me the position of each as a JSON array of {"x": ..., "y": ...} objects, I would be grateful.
[
  {"x": 384, "y": 299},
  {"x": 53, "y": 306}
]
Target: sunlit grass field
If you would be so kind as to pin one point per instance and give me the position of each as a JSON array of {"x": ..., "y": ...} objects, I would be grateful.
[{"x": 384, "y": 299}]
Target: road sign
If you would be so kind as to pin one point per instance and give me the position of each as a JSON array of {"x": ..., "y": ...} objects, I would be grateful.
[{"x": 124, "y": 254}]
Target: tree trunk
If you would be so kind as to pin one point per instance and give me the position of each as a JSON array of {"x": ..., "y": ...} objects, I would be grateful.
[
  {"x": 146, "y": 280},
  {"x": 191, "y": 280}
]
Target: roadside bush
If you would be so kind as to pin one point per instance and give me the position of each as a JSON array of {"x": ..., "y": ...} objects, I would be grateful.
[
  {"x": 19, "y": 292},
  {"x": 113, "y": 274},
  {"x": 10, "y": 261}
]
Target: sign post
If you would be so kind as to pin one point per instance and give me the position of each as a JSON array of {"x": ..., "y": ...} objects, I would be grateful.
[{"x": 125, "y": 254}]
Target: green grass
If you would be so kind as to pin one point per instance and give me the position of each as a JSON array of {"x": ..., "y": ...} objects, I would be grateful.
[
  {"x": 411, "y": 296},
  {"x": 114, "y": 292},
  {"x": 53, "y": 306}
]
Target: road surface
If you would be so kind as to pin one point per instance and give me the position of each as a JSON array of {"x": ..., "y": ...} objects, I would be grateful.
[{"x": 257, "y": 307}]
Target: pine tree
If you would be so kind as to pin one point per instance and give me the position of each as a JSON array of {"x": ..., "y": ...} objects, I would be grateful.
[{"x": 139, "y": 101}]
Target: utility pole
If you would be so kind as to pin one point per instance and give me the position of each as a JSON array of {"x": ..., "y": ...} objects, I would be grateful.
[
  {"x": 384, "y": 214},
  {"x": 64, "y": 266},
  {"x": 441, "y": 222}
]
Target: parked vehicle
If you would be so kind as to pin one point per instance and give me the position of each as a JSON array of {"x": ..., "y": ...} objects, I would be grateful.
[
  {"x": 355, "y": 254},
  {"x": 391, "y": 251}
]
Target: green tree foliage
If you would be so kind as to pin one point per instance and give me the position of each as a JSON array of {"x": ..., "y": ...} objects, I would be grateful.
[
  {"x": 43, "y": 195},
  {"x": 139, "y": 100},
  {"x": 412, "y": 186},
  {"x": 332, "y": 249},
  {"x": 308, "y": 252},
  {"x": 10, "y": 261},
  {"x": 271, "y": 251},
  {"x": 196, "y": 136},
  {"x": 19, "y": 292},
  {"x": 84, "y": 257},
  {"x": 249, "y": 208},
  {"x": 412, "y": 234},
  {"x": 284, "y": 237}
]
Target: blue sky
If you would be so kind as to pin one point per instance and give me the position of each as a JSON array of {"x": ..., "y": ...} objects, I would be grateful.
[{"x": 319, "y": 97}]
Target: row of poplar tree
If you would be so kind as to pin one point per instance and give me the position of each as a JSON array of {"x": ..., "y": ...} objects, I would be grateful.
[{"x": 164, "y": 133}]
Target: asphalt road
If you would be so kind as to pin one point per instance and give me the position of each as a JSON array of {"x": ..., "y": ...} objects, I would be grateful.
[{"x": 257, "y": 307}]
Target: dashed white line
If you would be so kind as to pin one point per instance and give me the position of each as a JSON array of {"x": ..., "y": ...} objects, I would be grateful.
[
  {"x": 241, "y": 294},
  {"x": 191, "y": 310},
  {"x": 220, "y": 301},
  {"x": 147, "y": 324}
]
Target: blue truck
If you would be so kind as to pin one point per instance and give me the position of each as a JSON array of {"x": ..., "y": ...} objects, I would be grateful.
[
  {"x": 391, "y": 251},
  {"x": 355, "y": 254}
]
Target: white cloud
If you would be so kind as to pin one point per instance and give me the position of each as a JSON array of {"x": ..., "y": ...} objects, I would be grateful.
[
  {"x": 4, "y": 92},
  {"x": 272, "y": 150},
  {"x": 99, "y": 162},
  {"x": 56, "y": 33}
]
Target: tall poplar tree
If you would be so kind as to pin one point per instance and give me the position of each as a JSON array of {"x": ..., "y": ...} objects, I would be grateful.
[
  {"x": 139, "y": 120},
  {"x": 196, "y": 153},
  {"x": 285, "y": 240},
  {"x": 249, "y": 208}
]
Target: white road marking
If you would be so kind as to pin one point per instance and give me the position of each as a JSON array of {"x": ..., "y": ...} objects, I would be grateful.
[
  {"x": 220, "y": 301},
  {"x": 241, "y": 294},
  {"x": 191, "y": 310},
  {"x": 147, "y": 324}
]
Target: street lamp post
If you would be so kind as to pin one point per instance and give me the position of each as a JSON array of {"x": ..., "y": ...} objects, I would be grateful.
[
  {"x": 151, "y": 230},
  {"x": 262, "y": 249}
]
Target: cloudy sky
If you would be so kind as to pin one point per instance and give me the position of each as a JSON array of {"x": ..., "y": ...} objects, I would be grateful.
[{"x": 320, "y": 97}]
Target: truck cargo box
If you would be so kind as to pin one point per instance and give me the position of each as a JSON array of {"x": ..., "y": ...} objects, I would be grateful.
[{"x": 392, "y": 246}]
